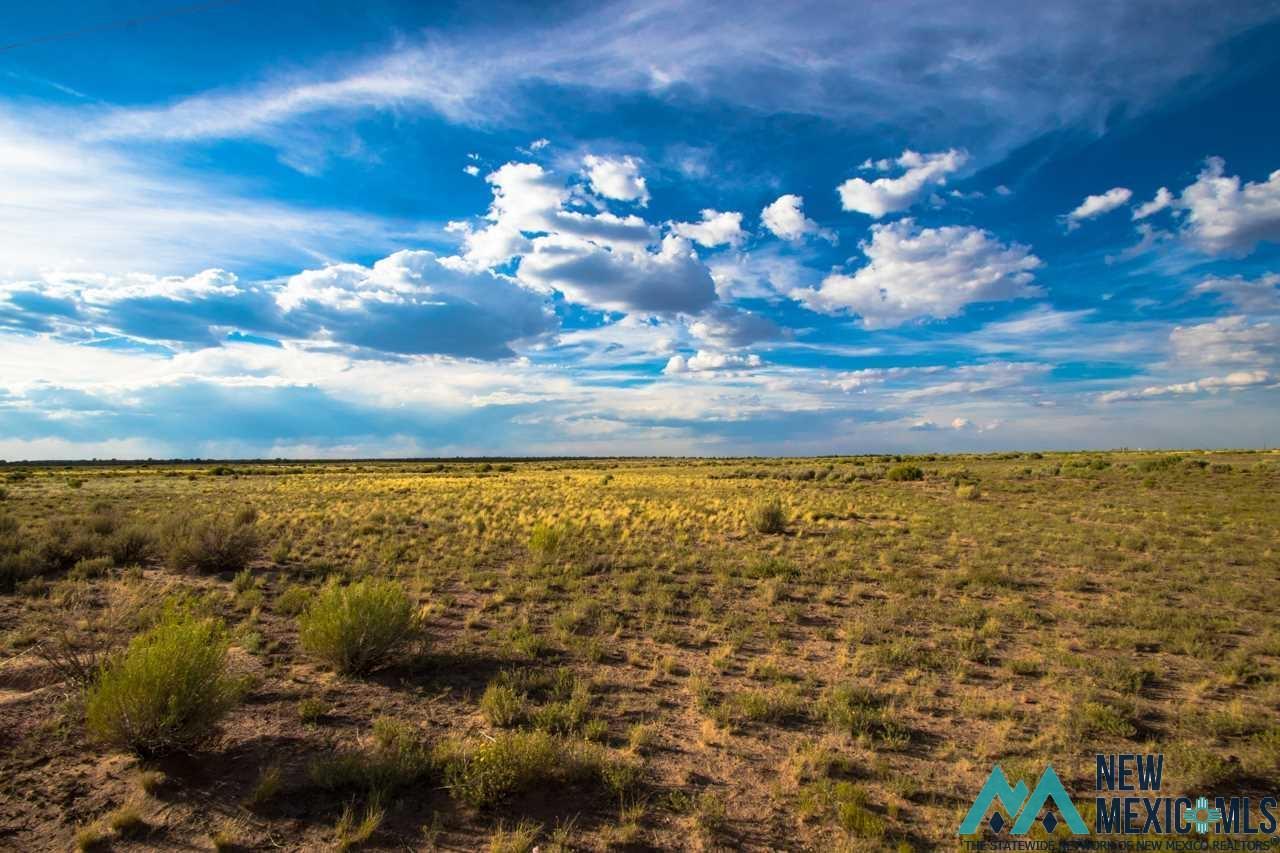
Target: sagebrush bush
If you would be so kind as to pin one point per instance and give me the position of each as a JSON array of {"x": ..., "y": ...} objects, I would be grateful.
[
  {"x": 166, "y": 691},
  {"x": 91, "y": 567},
  {"x": 129, "y": 546},
  {"x": 905, "y": 472},
  {"x": 210, "y": 545},
  {"x": 769, "y": 517},
  {"x": 358, "y": 628}
]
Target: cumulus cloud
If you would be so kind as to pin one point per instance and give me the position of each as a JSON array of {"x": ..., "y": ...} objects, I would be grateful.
[
  {"x": 528, "y": 199},
  {"x": 1227, "y": 340},
  {"x": 766, "y": 272},
  {"x": 1226, "y": 217},
  {"x": 915, "y": 273},
  {"x": 1096, "y": 205},
  {"x": 617, "y": 178},
  {"x": 1163, "y": 199},
  {"x": 672, "y": 279},
  {"x": 1258, "y": 296},
  {"x": 890, "y": 195},
  {"x": 411, "y": 303},
  {"x": 726, "y": 326},
  {"x": 715, "y": 229},
  {"x": 704, "y": 361},
  {"x": 785, "y": 218},
  {"x": 1210, "y": 384}
]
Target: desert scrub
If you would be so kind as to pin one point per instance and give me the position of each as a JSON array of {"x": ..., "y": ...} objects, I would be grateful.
[
  {"x": 501, "y": 705},
  {"x": 769, "y": 517},
  {"x": 398, "y": 756},
  {"x": 359, "y": 627},
  {"x": 511, "y": 763},
  {"x": 293, "y": 599},
  {"x": 166, "y": 691},
  {"x": 210, "y": 545},
  {"x": 904, "y": 472}
]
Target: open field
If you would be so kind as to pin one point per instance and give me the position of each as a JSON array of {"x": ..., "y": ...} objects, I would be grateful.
[{"x": 629, "y": 654}]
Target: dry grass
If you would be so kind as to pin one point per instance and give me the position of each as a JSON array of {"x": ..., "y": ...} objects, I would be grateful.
[{"x": 821, "y": 654}]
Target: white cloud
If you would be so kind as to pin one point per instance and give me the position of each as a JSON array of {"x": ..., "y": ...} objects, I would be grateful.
[
  {"x": 471, "y": 169},
  {"x": 103, "y": 289},
  {"x": 704, "y": 361},
  {"x": 74, "y": 206},
  {"x": 1148, "y": 238},
  {"x": 1210, "y": 384},
  {"x": 857, "y": 63},
  {"x": 763, "y": 273},
  {"x": 715, "y": 229},
  {"x": 1224, "y": 217},
  {"x": 1227, "y": 340},
  {"x": 1096, "y": 205},
  {"x": 726, "y": 326},
  {"x": 1259, "y": 296},
  {"x": 1163, "y": 198},
  {"x": 672, "y": 279},
  {"x": 890, "y": 195},
  {"x": 617, "y": 178},
  {"x": 916, "y": 273},
  {"x": 785, "y": 218},
  {"x": 528, "y": 199},
  {"x": 539, "y": 144},
  {"x": 410, "y": 302}
]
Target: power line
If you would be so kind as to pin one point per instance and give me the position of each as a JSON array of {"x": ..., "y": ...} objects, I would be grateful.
[{"x": 118, "y": 24}]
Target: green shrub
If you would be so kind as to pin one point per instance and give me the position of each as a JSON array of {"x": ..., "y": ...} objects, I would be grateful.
[
  {"x": 498, "y": 768},
  {"x": 904, "y": 472},
  {"x": 293, "y": 599},
  {"x": 769, "y": 517},
  {"x": 501, "y": 705},
  {"x": 357, "y": 628},
  {"x": 397, "y": 758},
  {"x": 130, "y": 546},
  {"x": 18, "y": 567},
  {"x": 514, "y": 762},
  {"x": 61, "y": 546},
  {"x": 91, "y": 567},
  {"x": 167, "y": 690},
  {"x": 210, "y": 545}
]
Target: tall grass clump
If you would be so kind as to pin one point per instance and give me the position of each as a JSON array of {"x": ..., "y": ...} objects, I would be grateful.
[
  {"x": 548, "y": 541},
  {"x": 397, "y": 757},
  {"x": 167, "y": 691},
  {"x": 769, "y": 517},
  {"x": 210, "y": 545},
  {"x": 358, "y": 628}
]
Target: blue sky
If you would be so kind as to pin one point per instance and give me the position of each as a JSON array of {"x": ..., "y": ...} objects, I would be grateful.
[{"x": 386, "y": 229}]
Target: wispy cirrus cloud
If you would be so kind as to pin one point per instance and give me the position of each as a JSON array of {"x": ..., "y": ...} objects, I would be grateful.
[{"x": 904, "y": 64}]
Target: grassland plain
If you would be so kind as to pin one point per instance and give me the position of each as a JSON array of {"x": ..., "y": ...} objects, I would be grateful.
[{"x": 751, "y": 653}]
